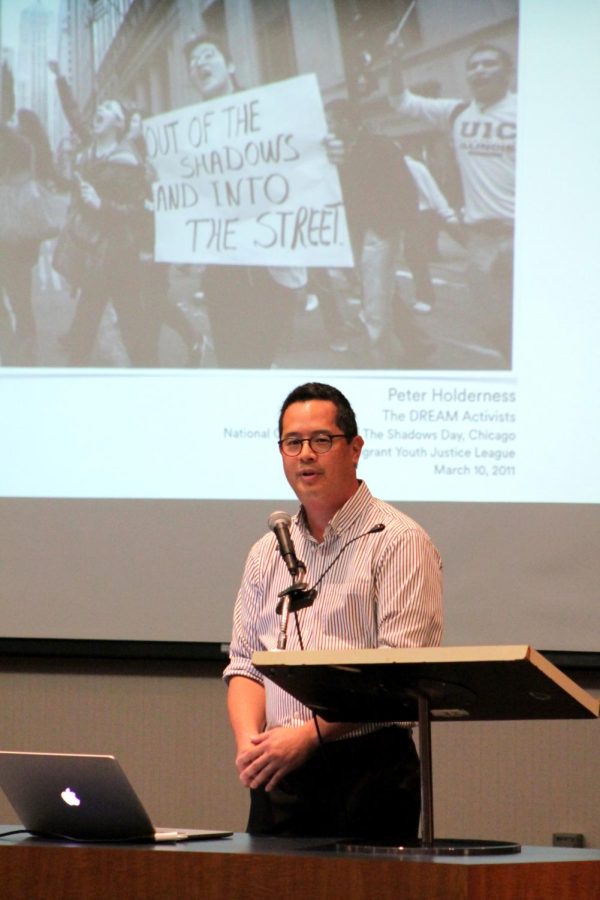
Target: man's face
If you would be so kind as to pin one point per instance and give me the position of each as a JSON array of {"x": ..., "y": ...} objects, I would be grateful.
[
  {"x": 327, "y": 478},
  {"x": 108, "y": 117},
  {"x": 210, "y": 72},
  {"x": 488, "y": 76}
]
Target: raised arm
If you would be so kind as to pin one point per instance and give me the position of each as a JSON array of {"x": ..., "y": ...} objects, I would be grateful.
[{"x": 69, "y": 105}]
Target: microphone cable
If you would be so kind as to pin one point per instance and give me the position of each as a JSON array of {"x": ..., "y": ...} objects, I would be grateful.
[{"x": 374, "y": 530}]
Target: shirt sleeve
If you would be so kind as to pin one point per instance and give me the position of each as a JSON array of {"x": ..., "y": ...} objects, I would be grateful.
[
  {"x": 245, "y": 639},
  {"x": 429, "y": 190},
  {"x": 408, "y": 580},
  {"x": 433, "y": 111}
]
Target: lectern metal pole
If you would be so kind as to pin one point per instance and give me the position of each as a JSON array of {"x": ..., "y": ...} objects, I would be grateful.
[
  {"x": 426, "y": 771},
  {"x": 427, "y": 845}
]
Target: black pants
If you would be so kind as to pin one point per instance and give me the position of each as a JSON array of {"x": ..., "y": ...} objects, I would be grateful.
[
  {"x": 250, "y": 315},
  {"x": 365, "y": 787},
  {"x": 117, "y": 280},
  {"x": 16, "y": 263}
]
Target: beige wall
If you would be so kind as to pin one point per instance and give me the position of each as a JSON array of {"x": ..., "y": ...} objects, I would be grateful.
[{"x": 167, "y": 724}]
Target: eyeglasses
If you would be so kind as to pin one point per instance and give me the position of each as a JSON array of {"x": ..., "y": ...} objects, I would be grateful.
[
  {"x": 318, "y": 443},
  {"x": 203, "y": 54}
]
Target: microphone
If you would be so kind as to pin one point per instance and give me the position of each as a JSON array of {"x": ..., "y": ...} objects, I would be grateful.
[{"x": 279, "y": 522}]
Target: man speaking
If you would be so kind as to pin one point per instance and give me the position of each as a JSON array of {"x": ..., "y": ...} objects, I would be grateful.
[{"x": 380, "y": 587}]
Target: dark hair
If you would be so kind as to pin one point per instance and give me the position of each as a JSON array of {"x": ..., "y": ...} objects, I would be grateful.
[
  {"x": 127, "y": 113},
  {"x": 136, "y": 142},
  {"x": 314, "y": 390},
  {"x": 206, "y": 37},
  {"x": 503, "y": 55},
  {"x": 30, "y": 126},
  {"x": 16, "y": 152}
]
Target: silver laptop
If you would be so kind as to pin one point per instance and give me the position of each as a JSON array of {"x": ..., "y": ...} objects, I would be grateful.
[{"x": 81, "y": 797}]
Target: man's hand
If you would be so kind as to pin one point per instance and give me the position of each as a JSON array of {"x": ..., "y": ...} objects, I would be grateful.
[
  {"x": 54, "y": 67},
  {"x": 88, "y": 193},
  {"x": 394, "y": 44},
  {"x": 335, "y": 149},
  {"x": 272, "y": 754}
]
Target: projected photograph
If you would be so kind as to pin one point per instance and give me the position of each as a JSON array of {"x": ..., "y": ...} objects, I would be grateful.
[{"x": 257, "y": 184}]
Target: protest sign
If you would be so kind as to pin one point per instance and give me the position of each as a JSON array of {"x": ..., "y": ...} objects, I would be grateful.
[{"x": 245, "y": 180}]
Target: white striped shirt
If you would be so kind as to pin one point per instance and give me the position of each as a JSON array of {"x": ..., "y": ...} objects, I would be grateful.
[{"x": 385, "y": 590}]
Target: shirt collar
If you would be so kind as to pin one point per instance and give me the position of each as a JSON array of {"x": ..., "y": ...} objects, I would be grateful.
[
  {"x": 344, "y": 517},
  {"x": 486, "y": 107}
]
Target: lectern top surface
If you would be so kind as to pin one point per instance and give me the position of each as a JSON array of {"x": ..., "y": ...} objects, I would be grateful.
[{"x": 384, "y": 684}]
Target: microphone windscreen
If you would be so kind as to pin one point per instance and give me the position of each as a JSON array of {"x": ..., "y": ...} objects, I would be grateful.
[{"x": 279, "y": 517}]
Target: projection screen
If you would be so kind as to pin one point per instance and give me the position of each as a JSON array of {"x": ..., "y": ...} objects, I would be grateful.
[{"x": 444, "y": 277}]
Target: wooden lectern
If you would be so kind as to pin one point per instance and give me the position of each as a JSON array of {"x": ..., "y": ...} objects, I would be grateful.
[{"x": 428, "y": 684}]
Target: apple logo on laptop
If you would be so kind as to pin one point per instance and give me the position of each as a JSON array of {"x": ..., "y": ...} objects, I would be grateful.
[{"x": 70, "y": 797}]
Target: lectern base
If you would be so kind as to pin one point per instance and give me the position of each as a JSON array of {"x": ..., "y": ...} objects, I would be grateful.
[{"x": 438, "y": 847}]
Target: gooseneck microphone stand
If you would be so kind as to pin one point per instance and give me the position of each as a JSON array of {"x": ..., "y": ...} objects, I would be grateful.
[{"x": 297, "y": 596}]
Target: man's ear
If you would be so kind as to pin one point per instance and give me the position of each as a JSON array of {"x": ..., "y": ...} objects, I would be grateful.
[{"x": 357, "y": 445}]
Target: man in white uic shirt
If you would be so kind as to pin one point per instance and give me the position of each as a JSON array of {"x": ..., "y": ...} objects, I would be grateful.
[{"x": 483, "y": 133}]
